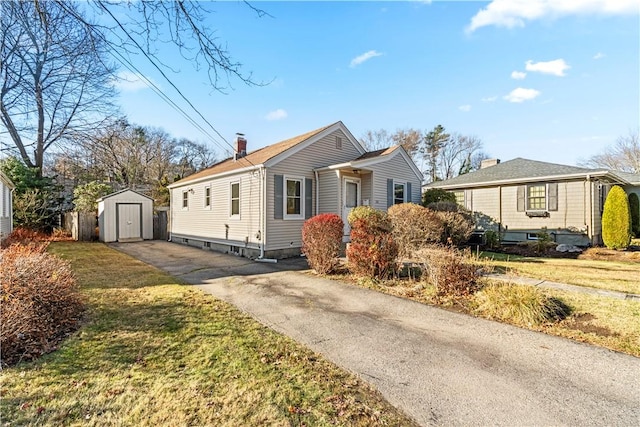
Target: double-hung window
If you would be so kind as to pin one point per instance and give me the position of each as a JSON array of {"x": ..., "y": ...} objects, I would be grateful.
[
  {"x": 294, "y": 198},
  {"x": 185, "y": 199},
  {"x": 399, "y": 193},
  {"x": 235, "y": 200},
  {"x": 207, "y": 197},
  {"x": 537, "y": 197}
]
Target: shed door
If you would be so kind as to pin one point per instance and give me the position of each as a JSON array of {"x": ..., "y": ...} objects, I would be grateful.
[{"x": 129, "y": 221}]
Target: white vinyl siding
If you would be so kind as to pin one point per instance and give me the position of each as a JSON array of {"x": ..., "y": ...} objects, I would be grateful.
[
  {"x": 397, "y": 169},
  {"x": 214, "y": 224},
  {"x": 329, "y": 197},
  {"x": 283, "y": 234}
]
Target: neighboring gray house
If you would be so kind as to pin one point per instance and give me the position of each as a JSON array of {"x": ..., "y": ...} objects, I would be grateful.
[
  {"x": 255, "y": 204},
  {"x": 6, "y": 206},
  {"x": 125, "y": 216},
  {"x": 520, "y": 197}
]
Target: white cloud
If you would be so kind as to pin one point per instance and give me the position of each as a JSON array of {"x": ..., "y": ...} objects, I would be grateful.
[
  {"x": 599, "y": 55},
  {"x": 126, "y": 81},
  {"x": 557, "y": 67},
  {"x": 518, "y": 75},
  {"x": 521, "y": 94},
  {"x": 278, "y": 114},
  {"x": 465, "y": 108},
  {"x": 515, "y": 13},
  {"x": 490, "y": 99},
  {"x": 364, "y": 57}
]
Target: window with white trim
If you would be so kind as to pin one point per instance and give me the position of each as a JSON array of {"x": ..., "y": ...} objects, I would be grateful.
[
  {"x": 537, "y": 197},
  {"x": 234, "y": 201},
  {"x": 185, "y": 199},
  {"x": 399, "y": 192},
  {"x": 294, "y": 198},
  {"x": 207, "y": 197}
]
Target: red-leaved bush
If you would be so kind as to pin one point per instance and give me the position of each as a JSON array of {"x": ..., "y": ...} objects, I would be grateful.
[
  {"x": 321, "y": 240},
  {"x": 40, "y": 302},
  {"x": 372, "y": 251}
]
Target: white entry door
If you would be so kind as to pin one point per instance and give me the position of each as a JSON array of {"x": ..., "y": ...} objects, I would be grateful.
[
  {"x": 350, "y": 199},
  {"x": 129, "y": 221}
]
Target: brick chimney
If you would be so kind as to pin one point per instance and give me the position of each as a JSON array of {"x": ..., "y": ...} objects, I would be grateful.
[
  {"x": 488, "y": 163},
  {"x": 240, "y": 146}
]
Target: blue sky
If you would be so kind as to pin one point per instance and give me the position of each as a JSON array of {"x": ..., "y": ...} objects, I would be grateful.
[{"x": 550, "y": 80}]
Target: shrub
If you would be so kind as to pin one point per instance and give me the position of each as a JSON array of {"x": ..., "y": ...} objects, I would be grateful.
[
  {"x": 634, "y": 207},
  {"x": 434, "y": 195},
  {"x": 413, "y": 227},
  {"x": 85, "y": 197},
  {"x": 372, "y": 251},
  {"x": 519, "y": 304},
  {"x": 492, "y": 239},
  {"x": 451, "y": 272},
  {"x": 321, "y": 240},
  {"x": 25, "y": 236},
  {"x": 40, "y": 302},
  {"x": 458, "y": 222},
  {"x": 616, "y": 220}
]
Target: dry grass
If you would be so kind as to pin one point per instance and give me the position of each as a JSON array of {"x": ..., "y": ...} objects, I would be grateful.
[
  {"x": 615, "y": 276},
  {"x": 155, "y": 352}
]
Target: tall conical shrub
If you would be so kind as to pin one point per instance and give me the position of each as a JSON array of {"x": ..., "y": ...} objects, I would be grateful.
[
  {"x": 634, "y": 206},
  {"x": 616, "y": 220}
]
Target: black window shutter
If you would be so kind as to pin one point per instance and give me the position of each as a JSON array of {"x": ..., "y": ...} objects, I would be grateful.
[
  {"x": 409, "y": 197},
  {"x": 278, "y": 202},
  {"x": 308, "y": 198},
  {"x": 522, "y": 190},
  {"x": 553, "y": 196},
  {"x": 389, "y": 192}
]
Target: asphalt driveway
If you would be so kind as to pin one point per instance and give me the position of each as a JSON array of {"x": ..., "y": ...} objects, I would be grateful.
[{"x": 441, "y": 368}]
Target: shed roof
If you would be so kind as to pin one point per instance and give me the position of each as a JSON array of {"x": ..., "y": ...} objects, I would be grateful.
[{"x": 121, "y": 192}]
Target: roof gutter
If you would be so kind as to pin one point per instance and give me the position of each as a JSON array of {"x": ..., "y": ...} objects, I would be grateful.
[
  {"x": 182, "y": 183},
  {"x": 521, "y": 180}
]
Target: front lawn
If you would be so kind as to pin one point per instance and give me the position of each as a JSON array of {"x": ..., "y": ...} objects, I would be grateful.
[
  {"x": 154, "y": 352},
  {"x": 610, "y": 275}
]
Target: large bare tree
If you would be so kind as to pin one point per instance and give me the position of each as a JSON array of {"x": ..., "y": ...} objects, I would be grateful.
[
  {"x": 623, "y": 155},
  {"x": 55, "y": 76}
]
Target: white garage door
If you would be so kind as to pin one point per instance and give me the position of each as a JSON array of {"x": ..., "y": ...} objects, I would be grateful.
[{"x": 129, "y": 221}]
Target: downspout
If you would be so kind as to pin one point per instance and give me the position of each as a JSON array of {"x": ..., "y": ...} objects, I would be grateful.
[
  {"x": 315, "y": 172},
  {"x": 263, "y": 217},
  {"x": 170, "y": 213},
  {"x": 591, "y": 219}
]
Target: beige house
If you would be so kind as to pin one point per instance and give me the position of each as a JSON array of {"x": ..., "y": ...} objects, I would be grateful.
[
  {"x": 521, "y": 197},
  {"x": 6, "y": 206},
  {"x": 255, "y": 204}
]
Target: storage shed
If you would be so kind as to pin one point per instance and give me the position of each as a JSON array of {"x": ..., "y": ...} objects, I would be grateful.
[{"x": 125, "y": 216}]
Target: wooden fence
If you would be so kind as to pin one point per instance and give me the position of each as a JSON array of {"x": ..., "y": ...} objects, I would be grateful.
[
  {"x": 160, "y": 225},
  {"x": 81, "y": 225}
]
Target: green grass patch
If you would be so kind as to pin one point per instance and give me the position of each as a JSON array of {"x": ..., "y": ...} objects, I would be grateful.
[
  {"x": 610, "y": 275},
  {"x": 153, "y": 351}
]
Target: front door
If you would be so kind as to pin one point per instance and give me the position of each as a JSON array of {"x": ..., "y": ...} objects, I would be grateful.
[{"x": 350, "y": 199}]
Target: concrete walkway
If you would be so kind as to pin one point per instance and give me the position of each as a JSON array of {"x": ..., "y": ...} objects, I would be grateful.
[
  {"x": 441, "y": 368},
  {"x": 564, "y": 286}
]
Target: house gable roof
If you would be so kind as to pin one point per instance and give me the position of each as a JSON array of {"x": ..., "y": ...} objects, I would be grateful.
[
  {"x": 518, "y": 170},
  {"x": 377, "y": 156},
  {"x": 269, "y": 155}
]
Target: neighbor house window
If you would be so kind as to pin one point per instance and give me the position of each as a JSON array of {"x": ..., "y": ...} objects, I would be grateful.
[
  {"x": 235, "y": 199},
  {"x": 185, "y": 199},
  {"x": 294, "y": 197},
  {"x": 207, "y": 197},
  {"x": 537, "y": 197},
  {"x": 459, "y": 197},
  {"x": 398, "y": 193}
]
